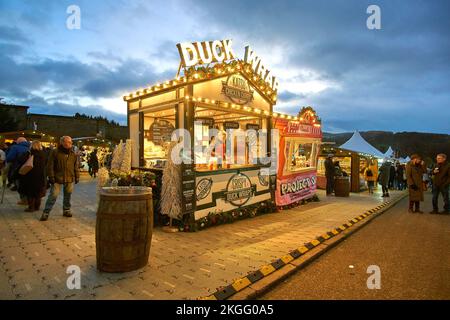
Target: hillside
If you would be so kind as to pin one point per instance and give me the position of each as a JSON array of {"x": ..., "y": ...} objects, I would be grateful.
[{"x": 405, "y": 143}]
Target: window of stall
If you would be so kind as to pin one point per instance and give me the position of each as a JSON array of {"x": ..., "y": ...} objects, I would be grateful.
[
  {"x": 301, "y": 154},
  {"x": 216, "y": 149},
  {"x": 158, "y": 127}
]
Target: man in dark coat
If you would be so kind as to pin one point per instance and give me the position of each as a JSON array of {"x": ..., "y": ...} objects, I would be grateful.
[
  {"x": 63, "y": 172},
  {"x": 441, "y": 182},
  {"x": 414, "y": 177},
  {"x": 329, "y": 174},
  {"x": 392, "y": 177},
  {"x": 384, "y": 175}
]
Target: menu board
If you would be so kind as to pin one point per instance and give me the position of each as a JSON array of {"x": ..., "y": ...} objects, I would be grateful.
[
  {"x": 160, "y": 131},
  {"x": 206, "y": 121},
  {"x": 230, "y": 125},
  {"x": 252, "y": 126},
  {"x": 188, "y": 189}
]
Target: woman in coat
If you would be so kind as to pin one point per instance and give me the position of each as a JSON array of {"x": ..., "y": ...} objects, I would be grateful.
[
  {"x": 369, "y": 176},
  {"x": 33, "y": 184},
  {"x": 414, "y": 177}
]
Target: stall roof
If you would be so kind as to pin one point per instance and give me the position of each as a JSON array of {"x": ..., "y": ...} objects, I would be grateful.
[
  {"x": 357, "y": 144},
  {"x": 30, "y": 134}
]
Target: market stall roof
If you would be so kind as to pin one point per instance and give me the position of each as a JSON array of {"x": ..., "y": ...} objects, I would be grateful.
[
  {"x": 389, "y": 153},
  {"x": 357, "y": 144},
  {"x": 29, "y": 134}
]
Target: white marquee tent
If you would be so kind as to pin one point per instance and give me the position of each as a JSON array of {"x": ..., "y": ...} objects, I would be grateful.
[
  {"x": 389, "y": 153},
  {"x": 357, "y": 144}
]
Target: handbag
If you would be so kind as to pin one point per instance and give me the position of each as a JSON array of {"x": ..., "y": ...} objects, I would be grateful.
[{"x": 27, "y": 166}]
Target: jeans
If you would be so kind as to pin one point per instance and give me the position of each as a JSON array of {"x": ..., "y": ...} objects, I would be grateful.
[
  {"x": 444, "y": 192},
  {"x": 53, "y": 195}
]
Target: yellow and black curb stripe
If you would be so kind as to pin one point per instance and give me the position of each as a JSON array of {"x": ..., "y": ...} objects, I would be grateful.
[{"x": 253, "y": 277}]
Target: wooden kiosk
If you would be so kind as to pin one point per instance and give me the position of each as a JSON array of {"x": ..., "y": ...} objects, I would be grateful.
[
  {"x": 297, "y": 160},
  {"x": 216, "y": 92}
]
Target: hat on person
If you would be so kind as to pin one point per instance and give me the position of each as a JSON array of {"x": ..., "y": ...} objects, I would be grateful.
[{"x": 330, "y": 155}]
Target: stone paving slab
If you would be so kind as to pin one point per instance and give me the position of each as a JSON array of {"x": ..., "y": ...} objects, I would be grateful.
[{"x": 34, "y": 255}]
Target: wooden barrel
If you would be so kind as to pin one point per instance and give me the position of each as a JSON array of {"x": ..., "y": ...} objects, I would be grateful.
[
  {"x": 124, "y": 228},
  {"x": 342, "y": 187}
]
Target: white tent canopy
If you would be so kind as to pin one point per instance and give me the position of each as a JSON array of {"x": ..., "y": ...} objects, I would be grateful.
[
  {"x": 389, "y": 153},
  {"x": 357, "y": 144}
]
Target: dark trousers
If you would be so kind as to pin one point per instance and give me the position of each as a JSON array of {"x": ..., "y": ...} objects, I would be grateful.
[
  {"x": 413, "y": 204},
  {"x": 34, "y": 203},
  {"x": 444, "y": 192},
  {"x": 330, "y": 184},
  {"x": 385, "y": 189}
]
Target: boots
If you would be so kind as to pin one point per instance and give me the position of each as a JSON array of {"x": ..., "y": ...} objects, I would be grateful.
[
  {"x": 417, "y": 203},
  {"x": 31, "y": 205}
]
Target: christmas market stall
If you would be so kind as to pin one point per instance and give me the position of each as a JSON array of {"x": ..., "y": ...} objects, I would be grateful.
[
  {"x": 354, "y": 157},
  {"x": 225, "y": 106},
  {"x": 86, "y": 145},
  {"x": 297, "y": 160}
]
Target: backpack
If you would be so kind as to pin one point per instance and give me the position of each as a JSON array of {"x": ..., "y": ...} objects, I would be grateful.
[{"x": 369, "y": 173}]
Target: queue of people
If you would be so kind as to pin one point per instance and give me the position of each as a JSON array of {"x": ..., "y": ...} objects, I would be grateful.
[{"x": 31, "y": 169}]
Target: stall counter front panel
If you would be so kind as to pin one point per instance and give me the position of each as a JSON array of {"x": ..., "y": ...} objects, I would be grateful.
[{"x": 230, "y": 190}]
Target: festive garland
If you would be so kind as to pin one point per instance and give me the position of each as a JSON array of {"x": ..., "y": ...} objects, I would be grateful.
[
  {"x": 314, "y": 198},
  {"x": 209, "y": 72},
  {"x": 219, "y": 217},
  {"x": 134, "y": 178}
]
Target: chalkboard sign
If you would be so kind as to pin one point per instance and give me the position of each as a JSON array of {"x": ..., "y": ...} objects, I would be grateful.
[
  {"x": 188, "y": 189},
  {"x": 160, "y": 131},
  {"x": 252, "y": 126},
  {"x": 205, "y": 121}
]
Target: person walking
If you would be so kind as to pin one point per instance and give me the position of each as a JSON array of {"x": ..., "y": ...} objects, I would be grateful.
[
  {"x": 414, "y": 177},
  {"x": 63, "y": 173},
  {"x": 93, "y": 163},
  {"x": 399, "y": 176},
  {"x": 3, "y": 165},
  {"x": 16, "y": 156},
  {"x": 370, "y": 179},
  {"x": 329, "y": 174},
  {"x": 384, "y": 177},
  {"x": 441, "y": 183},
  {"x": 392, "y": 173},
  {"x": 33, "y": 184}
]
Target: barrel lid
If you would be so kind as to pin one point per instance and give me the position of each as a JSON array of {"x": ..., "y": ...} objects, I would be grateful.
[{"x": 125, "y": 191}]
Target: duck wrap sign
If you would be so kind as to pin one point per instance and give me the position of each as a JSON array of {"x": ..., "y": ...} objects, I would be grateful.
[
  {"x": 239, "y": 190},
  {"x": 296, "y": 188}
]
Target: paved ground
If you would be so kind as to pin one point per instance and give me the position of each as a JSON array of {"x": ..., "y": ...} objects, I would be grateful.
[
  {"x": 412, "y": 251},
  {"x": 34, "y": 255}
]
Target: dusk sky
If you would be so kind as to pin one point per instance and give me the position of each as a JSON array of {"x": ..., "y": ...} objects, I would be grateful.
[{"x": 396, "y": 78}]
